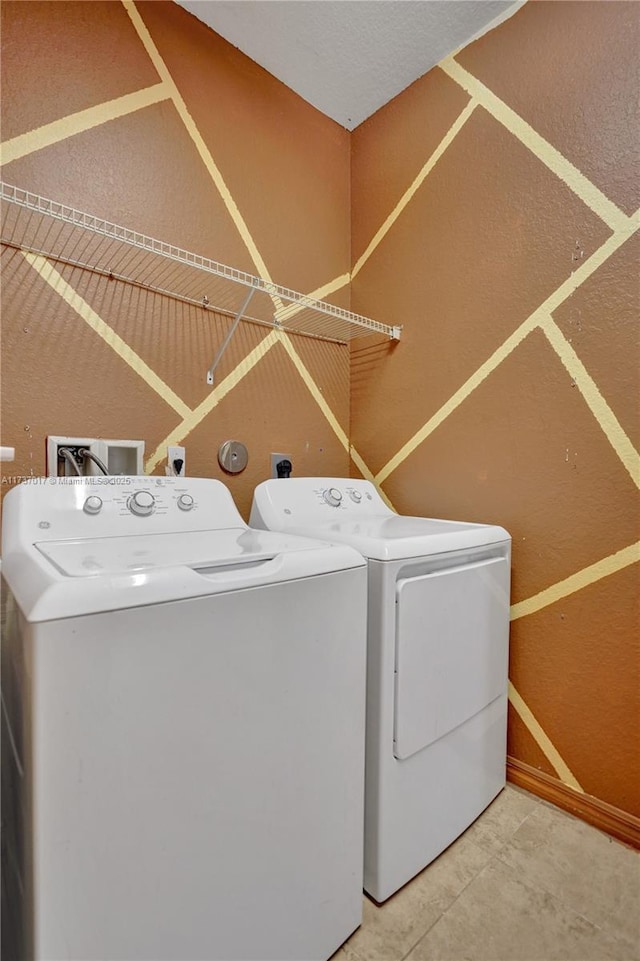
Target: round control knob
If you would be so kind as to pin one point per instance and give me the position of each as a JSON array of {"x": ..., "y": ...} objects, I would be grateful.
[
  {"x": 333, "y": 496},
  {"x": 185, "y": 502},
  {"x": 92, "y": 505},
  {"x": 355, "y": 496},
  {"x": 141, "y": 503}
]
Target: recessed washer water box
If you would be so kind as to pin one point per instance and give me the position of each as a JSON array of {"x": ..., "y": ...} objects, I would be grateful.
[
  {"x": 57, "y": 465},
  {"x": 123, "y": 457}
]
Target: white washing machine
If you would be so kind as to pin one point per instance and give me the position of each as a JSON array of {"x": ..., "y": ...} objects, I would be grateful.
[
  {"x": 438, "y": 628},
  {"x": 183, "y": 725}
]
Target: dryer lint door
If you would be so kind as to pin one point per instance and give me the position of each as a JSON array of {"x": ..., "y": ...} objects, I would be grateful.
[{"x": 452, "y": 629}]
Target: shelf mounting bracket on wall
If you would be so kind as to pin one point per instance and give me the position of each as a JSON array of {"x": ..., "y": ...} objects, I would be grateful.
[{"x": 231, "y": 332}]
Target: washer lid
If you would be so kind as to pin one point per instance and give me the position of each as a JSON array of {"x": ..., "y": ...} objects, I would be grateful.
[
  {"x": 393, "y": 537},
  {"x": 199, "y": 550},
  {"x": 59, "y": 579}
]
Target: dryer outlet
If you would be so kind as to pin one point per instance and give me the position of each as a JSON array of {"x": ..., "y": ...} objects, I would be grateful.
[{"x": 281, "y": 461}]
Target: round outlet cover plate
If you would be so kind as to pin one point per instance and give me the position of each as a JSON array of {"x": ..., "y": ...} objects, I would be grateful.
[{"x": 232, "y": 456}]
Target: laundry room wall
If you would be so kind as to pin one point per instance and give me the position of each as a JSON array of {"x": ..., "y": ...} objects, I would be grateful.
[
  {"x": 493, "y": 212},
  {"x": 489, "y": 211},
  {"x": 138, "y": 113}
]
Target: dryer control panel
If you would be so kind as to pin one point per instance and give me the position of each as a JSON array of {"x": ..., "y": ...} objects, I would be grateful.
[
  {"x": 316, "y": 499},
  {"x": 344, "y": 495}
]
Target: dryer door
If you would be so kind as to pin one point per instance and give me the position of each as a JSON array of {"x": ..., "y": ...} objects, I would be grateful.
[{"x": 452, "y": 629}]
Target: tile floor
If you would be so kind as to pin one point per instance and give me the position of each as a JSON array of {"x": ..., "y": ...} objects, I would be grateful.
[{"x": 526, "y": 882}]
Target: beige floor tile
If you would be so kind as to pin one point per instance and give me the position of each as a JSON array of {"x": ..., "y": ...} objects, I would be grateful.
[
  {"x": 390, "y": 930},
  {"x": 500, "y": 918},
  {"x": 584, "y": 868},
  {"x": 345, "y": 953},
  {"x": 499, "y": 822}
]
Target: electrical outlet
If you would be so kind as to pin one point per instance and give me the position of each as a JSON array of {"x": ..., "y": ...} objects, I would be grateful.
[
  {"x": 277, "y": 459},
  {"x": 176, "y": 458}
]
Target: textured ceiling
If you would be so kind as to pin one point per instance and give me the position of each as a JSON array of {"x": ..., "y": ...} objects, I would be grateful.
[{"x": 349, "y": 57}]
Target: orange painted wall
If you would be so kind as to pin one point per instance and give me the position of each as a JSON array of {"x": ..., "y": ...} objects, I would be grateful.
[
  {"x": 512, "y": 414},
  {"x": 286, "y": 169},
  {"x": 515, "y": 383}
]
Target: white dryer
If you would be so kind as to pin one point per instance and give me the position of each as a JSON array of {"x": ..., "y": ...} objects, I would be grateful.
[
  {"x": 438, "y": 627},
  {"x": 183, "y": 726}
]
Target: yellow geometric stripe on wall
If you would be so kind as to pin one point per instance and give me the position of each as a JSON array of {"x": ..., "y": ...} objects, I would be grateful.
[
  {"x": 383, "y": 230},
  {"x": 199, "y": 142},
  {"x": 539, "y": 318},
  {"x": 458, "y": 398},
  {"x": 80, "y": 122},
  {"x": 597, "y": 404},
  {"x": 212, "y": 400},
  {"x": 542, "y": 740},
  {"x": 410, "y": 192},
  {"x": 286, "y": 313},
  {"x": 578, "y": 581},
  {"x": 543, "y": 150},
  {"x": 57, "y": 282},
  {"x": 315, "y": 391},
  {"x": 368, "y": 475}
]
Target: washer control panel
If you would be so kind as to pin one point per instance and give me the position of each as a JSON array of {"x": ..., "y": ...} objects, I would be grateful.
[
  {"x": 144, "y": 498},
  {"x": 112, "y": 506}
]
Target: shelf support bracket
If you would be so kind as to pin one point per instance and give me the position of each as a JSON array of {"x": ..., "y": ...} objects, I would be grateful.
[{"x": 231, "y": 332}]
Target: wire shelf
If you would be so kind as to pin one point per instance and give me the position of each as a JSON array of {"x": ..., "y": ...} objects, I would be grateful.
[{"x": 63, "y": 234}]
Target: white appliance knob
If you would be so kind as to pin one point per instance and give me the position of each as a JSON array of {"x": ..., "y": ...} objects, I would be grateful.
[
  {"x": 92, "y": 505},
  {"x": 333, "y": 496},
  {"x": 141, "y": 503},
  {"x": 185, "y": 502},
  {"x": 355, "y": 496}
]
